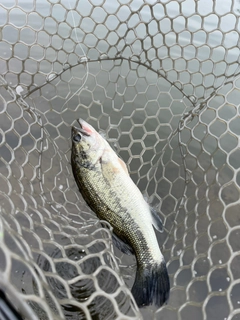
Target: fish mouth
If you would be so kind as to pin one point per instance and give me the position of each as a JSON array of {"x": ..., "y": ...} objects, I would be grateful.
[{"x": 76, "y": 130}]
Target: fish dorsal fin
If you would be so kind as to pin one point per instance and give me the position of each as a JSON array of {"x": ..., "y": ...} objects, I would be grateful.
[
  {"x": 123, "y": 165},
  {"x": 156, "y": 220}
]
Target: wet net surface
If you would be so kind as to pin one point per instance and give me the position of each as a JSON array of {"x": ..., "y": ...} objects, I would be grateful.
[{"x": 161, "y": 81}]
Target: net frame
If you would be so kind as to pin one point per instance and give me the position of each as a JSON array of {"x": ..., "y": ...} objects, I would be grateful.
[{"x": 129, "y": 58}]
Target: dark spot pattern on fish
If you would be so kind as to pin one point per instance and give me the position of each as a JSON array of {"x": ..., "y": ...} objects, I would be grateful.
[{"x": 82, "y": 161}]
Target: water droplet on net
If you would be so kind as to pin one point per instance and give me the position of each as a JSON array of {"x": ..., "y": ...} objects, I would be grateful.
[
  {"x": 19, "y": 90},
  {"x": 103, "y": 56},
  {"x": 179, "y": 252},
  {"x": 192, "y": 98},
  {"x": 83, "y": 60},
  {"x": 51, "y": 77},
  {"x": 66, "y": 66}
]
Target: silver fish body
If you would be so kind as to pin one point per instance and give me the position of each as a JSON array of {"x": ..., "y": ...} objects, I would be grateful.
[{"x": 104, "y": 182}]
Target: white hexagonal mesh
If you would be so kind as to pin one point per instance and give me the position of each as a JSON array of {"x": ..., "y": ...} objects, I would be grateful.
[{"x": 161, "y": 80}]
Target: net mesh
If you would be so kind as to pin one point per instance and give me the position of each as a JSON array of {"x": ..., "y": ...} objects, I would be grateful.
[{"x": 161, "y": 81}]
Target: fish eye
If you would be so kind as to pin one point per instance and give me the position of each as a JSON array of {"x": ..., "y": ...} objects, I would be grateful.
[{"x": 77, "y": 138}]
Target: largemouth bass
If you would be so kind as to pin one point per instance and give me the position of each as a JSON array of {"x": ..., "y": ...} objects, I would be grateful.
[{"x": 104, "y": 182}]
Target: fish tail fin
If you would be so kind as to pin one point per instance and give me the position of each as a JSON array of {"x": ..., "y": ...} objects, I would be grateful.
[{"x": 151, "y": 285}]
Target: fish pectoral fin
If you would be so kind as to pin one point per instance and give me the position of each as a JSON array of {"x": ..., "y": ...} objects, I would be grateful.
[
  {"x": 115, "y": 166},
  {"x": 156, "y": 220},
  {"x": 122, "y": 245},
  {"x": 123, "y": 165}
]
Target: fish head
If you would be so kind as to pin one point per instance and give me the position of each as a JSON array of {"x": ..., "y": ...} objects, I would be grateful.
[{"x": 87, "y": 144}]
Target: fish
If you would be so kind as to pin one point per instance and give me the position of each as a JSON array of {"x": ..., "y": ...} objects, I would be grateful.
[{"x": 106, "y": 186}]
